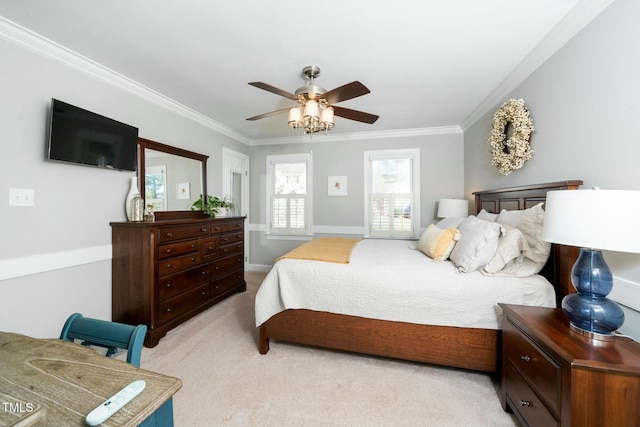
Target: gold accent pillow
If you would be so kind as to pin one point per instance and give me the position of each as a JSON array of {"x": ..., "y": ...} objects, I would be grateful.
[{"x": 437, "y": 243}]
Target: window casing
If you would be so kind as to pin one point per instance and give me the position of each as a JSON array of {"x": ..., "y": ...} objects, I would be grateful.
[
  {"x": 392, "y": 193},
  {"x": 289, "y": 198}
]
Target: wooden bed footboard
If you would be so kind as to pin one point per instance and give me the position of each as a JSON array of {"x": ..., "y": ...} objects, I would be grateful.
[
  {"x": 441, "y": 345},
  {"x": 468, "y": 348}
]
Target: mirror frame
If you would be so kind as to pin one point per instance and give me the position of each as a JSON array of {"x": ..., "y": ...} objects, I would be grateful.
[{"x": 143, "y": 144}]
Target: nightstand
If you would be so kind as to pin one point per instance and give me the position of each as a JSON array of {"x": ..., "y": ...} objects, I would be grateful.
[{"x": 554, "y": 377}]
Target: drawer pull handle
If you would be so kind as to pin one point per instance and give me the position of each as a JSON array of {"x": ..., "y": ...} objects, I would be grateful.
[
  {"x": 239, "y": 259},
  {"x": 169, "y": 234},
  {"x": 168, "y": 251},
  {"x": 224, "y": 239},
  {"x": 217, "y": 228},
  {"x": 204, "y": 293},
  {"x": 525, "y": 403},
  {"x": 193, "y": 245},
  {"x": 217, "y": 268},
  {"x": 168, "y": 285},
  {"x": 204, "y": 230},
  {"x": 169, "y": 265},
  {"x": 525, "y": 358},
  {"x": 193, "y": 259},
  {"x": 204, "y": 273},
  {"x": 169, "y": 310}
]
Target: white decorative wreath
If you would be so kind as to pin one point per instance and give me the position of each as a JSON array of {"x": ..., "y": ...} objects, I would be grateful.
[{"x": 510, "y": 154}]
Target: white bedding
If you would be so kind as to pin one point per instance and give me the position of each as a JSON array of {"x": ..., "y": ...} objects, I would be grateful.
[{"x": 387, "y": 280}]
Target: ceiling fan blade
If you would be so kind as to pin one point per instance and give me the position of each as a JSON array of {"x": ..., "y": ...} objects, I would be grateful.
[
  {"x": 269, "y": 114},
  {"x": 348, "y": 91},
  {"x": 274, "y": 89},
  {"x": 358, "y": 116}
]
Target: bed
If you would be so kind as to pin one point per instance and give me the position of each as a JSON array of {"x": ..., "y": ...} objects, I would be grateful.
[{"x": 421, "y": 340}]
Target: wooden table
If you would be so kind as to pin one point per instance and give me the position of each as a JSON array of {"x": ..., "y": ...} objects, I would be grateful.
[{"x": 53, "y": 382}]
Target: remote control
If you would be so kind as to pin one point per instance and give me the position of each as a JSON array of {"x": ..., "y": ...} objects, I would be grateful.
[{"x": 114, "y": 403}]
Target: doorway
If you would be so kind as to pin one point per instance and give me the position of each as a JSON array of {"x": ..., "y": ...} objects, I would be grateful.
[{"x": 235, "y": 184}]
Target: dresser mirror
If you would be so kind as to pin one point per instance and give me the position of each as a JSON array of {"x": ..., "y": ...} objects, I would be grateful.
[{"x": 170, "y": 178}]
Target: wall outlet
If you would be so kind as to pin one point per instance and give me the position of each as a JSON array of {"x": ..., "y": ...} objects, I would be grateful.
[{"x": 21, "y": 197}]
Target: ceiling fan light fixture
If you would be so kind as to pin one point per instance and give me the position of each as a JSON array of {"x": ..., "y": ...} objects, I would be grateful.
[
  {"x": 311, "y": 110},
  {"x": 295, "y": 118},
  {"x": 326, "y": 119},
  {"x": 315, "y": 111}
]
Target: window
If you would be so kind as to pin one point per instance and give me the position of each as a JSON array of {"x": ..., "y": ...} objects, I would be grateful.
[
  {"x": 289, "y": 194},
  {"x": 392, "y": 193}
]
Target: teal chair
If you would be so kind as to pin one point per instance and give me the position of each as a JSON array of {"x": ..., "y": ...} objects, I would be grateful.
[
  {"x": 114, "y": 336},
  {"x": 109, "y": 335}
]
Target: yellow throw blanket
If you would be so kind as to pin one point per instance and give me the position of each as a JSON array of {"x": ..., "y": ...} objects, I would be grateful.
[{"x": 327, "y": 249}]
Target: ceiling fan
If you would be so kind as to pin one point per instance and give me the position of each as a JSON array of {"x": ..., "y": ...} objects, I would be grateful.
[{"x": 316, "y": 105}]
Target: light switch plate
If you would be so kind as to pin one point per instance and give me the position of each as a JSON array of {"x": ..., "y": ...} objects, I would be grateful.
[{"x": 21, "y": 197}]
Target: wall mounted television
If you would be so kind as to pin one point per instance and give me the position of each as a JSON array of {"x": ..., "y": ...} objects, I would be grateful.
[{"x": 82, "y": 137}]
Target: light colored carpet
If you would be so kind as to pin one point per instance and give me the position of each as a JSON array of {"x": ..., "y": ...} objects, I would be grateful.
[{"x": 227, "y": 382}]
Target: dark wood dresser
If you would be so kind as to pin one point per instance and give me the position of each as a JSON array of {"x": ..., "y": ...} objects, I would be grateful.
[
  {"x": 166, "y": 272},
  {"x": 554, "y": 377}
]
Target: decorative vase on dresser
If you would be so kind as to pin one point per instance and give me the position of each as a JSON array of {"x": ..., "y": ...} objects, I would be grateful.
[
  {"x": 165, "y": 272},
  {"x": 552, "y": 376},
  {"x": 133, "y": 191}
]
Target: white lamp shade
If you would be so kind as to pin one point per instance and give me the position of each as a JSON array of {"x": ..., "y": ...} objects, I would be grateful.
[
  {"x": 295, "y": 116},
  {"x": 311, "y": 109},
  {"x": 327, "y": 116},
  {"x": 453, "y": 208},
  {"x": 597, "y": 219}
]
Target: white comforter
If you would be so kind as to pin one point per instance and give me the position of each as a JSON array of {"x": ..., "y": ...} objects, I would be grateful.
[{"x": 386, "y": 279}]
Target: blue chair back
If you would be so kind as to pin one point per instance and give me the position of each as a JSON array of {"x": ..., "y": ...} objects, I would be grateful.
[{"x": 109, "y": 335}]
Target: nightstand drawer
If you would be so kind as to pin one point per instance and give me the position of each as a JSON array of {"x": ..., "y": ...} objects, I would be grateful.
[
  {"x": 541, "y": 372},
  {"x": 524, "y": 401}
]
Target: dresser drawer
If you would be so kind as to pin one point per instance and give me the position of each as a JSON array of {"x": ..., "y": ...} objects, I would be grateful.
[
  {"x": 183, "y": 303},
  {"x": 226, "y": 283},
  {"x": 173, "y": 284},
  {"x": 544, "y": 374},
  {"x": 525, "y": 402},
  {"x": 169, "y": 234},
  {"x": 173, "y": 265},
  {"x": 225, "y": 239},
  {"x": 233, "y": 248},
  {"x": 226, "y": 227},
  {"x": 225, "y": 265},
  {"x": 175, "y": 249},
  {"x": 211, "y": 247}
]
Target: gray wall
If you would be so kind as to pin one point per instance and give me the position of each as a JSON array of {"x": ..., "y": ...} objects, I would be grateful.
[
  {"x": 585, "y": 106},
  {"x": 441, "y": 168},
  {"x": 60, "y": 248}
]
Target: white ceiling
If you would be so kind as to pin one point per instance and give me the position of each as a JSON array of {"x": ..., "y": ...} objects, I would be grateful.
[{"x": 428, "y": 63}]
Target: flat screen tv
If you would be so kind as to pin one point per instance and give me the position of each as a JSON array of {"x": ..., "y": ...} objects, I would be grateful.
[{"x": 82, "y": 137}]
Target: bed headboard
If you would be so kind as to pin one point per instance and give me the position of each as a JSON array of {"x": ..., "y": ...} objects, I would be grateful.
[{"x": 558, "y": 268}]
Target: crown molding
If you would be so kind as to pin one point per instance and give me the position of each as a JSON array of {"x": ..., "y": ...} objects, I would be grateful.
[
  {"x": 579, "y": 17},
  {"x": 354, "y": 136},
  {"x": 27, "y": 38}
]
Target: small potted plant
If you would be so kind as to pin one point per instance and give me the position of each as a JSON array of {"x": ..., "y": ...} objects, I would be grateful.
[{"x": 215, "y": 206}]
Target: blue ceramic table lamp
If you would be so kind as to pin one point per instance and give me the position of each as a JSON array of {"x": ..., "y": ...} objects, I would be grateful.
[{"x": 594, "y": 220}]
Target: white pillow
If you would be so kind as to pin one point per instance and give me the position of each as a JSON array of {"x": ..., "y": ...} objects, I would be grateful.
[
  {"x": 438, "y": 243},
  {"x": 530, "y": 222},
  {"x": 511, "y": 246},
  {"x": 487, "y": 216},
  {"x": 518, "y": 267},
  {"x": 449, "y": 223},
  {"x": 478, "y": 242}
]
